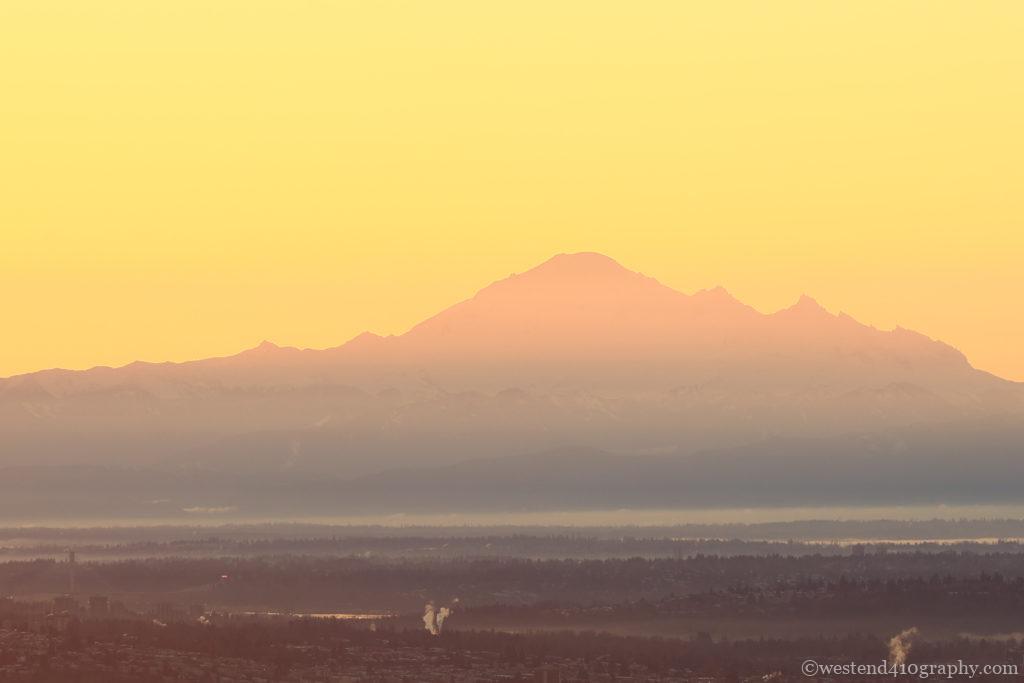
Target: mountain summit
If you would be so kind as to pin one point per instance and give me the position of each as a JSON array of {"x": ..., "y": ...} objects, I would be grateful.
[
  {"x": 572, "y": 308},
  {"x": 586, "y": 320},
  {"x": 580, "y": 317},
  {"x": 578, "y": 351}
]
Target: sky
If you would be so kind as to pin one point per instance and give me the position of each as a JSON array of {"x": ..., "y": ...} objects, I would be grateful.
[{"x": 185, "y": 179}]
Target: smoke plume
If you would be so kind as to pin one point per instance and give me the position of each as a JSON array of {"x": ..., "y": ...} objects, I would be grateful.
[
  {"x": 433, "y": 618},
  {"x": 900, "y": 644},
  {"x": 430, "y": 619}
]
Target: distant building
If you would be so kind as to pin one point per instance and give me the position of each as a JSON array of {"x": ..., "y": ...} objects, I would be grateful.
[
  {"x": 58, "y": 621},
  {"x": 65, "y": 603},
  {"x": 71, "y": 572},
  {"x": 547, "y": 674},
  {"x": 99, "y": 606},
  {"x": 165, "y": 612}
]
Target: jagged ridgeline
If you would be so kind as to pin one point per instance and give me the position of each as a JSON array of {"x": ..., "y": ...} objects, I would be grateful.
[{"x": 578, "y": 383}]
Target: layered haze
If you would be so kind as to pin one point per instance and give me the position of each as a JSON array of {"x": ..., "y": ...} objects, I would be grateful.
[{"x": 579, "y": 370}]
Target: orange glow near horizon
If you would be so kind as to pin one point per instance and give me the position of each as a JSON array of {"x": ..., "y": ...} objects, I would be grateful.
[{"x": 182, "y": 180}]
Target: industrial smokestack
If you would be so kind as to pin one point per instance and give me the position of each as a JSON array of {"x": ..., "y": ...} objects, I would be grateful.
[{"x": 71, "y": 572}]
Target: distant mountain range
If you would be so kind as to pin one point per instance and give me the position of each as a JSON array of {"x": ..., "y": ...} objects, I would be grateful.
[{"x": 578, "y": 355}]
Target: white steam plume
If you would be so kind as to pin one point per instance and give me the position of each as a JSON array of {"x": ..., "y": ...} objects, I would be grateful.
[
  {"x": 442, "y": 614},
  {"x": 900, "y": 645},
  {"x": 433, "y": 619},
  {"x": 430, "y": 619}
]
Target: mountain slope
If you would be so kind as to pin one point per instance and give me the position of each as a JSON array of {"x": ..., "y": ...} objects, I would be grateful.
[{"x": 578, "y": 351}]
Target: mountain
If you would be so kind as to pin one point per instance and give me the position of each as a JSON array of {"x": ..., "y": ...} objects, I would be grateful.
[{"x": 578, "y": 352}]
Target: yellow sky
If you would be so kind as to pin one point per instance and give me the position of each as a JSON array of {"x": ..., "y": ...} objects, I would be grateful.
[{"x": 184, "y": 178}]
